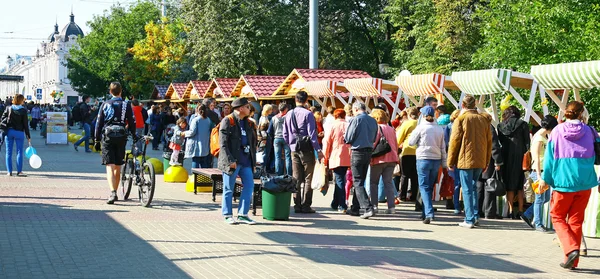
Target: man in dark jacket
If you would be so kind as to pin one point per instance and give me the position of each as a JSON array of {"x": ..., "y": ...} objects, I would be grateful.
[
  {"x": 487, "y": 200},
  {"x": 237, "y": 157},
  {"x": 114, "y": 117},
  {"x": 86, "y": 121}
]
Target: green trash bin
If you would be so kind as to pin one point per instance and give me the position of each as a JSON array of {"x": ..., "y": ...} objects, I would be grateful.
[{"x": 276, "y": 206}]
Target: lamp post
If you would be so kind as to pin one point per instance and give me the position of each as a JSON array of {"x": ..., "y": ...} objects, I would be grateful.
[{"x": 313, "y": 34}]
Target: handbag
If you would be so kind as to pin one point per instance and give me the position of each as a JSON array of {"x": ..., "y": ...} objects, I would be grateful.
[
  {"x": 495, "y": 185},
  {"x": 526, "y": 164},
  {"x": 596, "y": 146},
  {"x": 303, "y": 143},
  {"x": 4, "y": 126},
  {"x": 382, "y": 147}
]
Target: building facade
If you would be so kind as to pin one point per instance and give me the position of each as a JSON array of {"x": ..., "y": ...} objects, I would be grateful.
[{"x": 46, "y": 70}]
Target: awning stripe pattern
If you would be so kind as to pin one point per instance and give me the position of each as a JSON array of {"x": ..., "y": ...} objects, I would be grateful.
[
  {"x": 364, "y": 87},
  {"x": 421, "y": 85},
  {"x": 580, "y": 75},
  {"x": 483, "y": 82},
  {"x": 321, "y": 88}
]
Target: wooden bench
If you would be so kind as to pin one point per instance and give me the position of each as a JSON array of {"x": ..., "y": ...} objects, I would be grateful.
[
  {"x": 256, "y": 193},
  {"x": 214, "y": 178}
]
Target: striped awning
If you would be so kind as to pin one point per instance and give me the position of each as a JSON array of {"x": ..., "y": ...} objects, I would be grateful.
[
  {"x": 421, "y": 85},
  {"x": 580, "y": 75},
  {"x": 321, "y": 88},
  {"x": 364, "y": 87},
  {"x": 482, "y": 82}
]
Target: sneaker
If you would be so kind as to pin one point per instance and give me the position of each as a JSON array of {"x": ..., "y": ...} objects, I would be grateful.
[
  {"x": 9, "y": 174},
  {"x": 343, "y": 211},
  {"x": 230, "y": 221},
  {"x": 457, "y": 212},
  {"x": 527, "y": 221},
  {"x": 352, "y": 213},
  {"x": 427, "y": 220},
  {"x": 113, "y": 198},
  {"x": 308, "y": 210},
  {"x": 367, "y": 214},
  {"x": 542, "y": 229},
  {"x": 390, "y": 211},
  {"x": 245, "y": 220},
  {"x": 20, "y": 174},
  {"x": 88, "y": 151},
  {"x": 466, "y": 225},
  {"x": 476, "y": 223}
]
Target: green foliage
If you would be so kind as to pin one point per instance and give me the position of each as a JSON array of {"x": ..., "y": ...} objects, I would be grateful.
[{"x": 102, "y": 55}]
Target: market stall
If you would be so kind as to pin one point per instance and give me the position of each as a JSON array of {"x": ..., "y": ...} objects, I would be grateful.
[
  {"x": 422, "y": 86},
  {"x": 159, "y": 92},
  {"x": 258, "y": 88},
  {"x": 196, "y": 89},
  {"x": 365, "y": 90},
  {"x": 487, "y": 83},
  {"x": 574, "y": 77},
  {"x": 220, "y": 89},
  {"x": 321, "y": 85},
  {"x": 175, "y": 94}
]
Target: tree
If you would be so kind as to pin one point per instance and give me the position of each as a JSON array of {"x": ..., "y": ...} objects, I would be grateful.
[
  {"x": 102, "y": 55},
  {"x": 230, "y": 38},
  {"x": 159, "y": 57},
  {"x": 541, "y": 32},
  {"x": 435, "y": 36}
]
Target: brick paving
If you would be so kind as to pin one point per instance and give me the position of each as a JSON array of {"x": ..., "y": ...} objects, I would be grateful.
[{"x": 55, "y": 224}]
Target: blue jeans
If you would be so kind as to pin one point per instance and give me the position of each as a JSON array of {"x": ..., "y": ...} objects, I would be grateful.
[
  {"x": 86, "y": 137},
  {"x": 535, "y": 210},
  {"x": 280, "y": 145},
  {"x": 339, "y": 194},
  {"x": 456, "y": 196},
  {"x": 427, "y": 171},
  {"x": 229, "y": 184},
  {"x": 12, "y": 137},
  {"x": 468, "y": 179},
  {"x": 202, "y": 162}
]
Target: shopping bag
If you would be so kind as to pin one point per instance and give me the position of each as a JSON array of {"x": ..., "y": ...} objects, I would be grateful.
[
  {"x": 447, "y": 187},
  {"x": 319, "y": 178}
]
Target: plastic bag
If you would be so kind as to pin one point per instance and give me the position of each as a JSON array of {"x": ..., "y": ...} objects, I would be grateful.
[
  {"x": 278, "y": 184},
  {"x": 319, "y": 179}
]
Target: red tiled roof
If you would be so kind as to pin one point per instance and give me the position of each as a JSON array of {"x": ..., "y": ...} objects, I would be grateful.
[
  {"x": 263, "y": 86},
  {"x": 333, "y": 75},
  {"x": 180, "y": 88},
  {"x": 160, "y": 91},
  {"x": 201, "y": 85},
  {"x": 227, "y": 85}
]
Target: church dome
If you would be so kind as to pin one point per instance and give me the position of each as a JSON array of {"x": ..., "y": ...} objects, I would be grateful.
[
  {"x": 71, "y": 29},
  {"x": 51, "y": 37}
]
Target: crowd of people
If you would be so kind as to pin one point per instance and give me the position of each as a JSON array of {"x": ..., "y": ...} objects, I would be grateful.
[{"x": 367, "y": 154}]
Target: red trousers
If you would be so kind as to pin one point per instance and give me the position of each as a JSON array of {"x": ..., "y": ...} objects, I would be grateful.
[{"x": 567, "y": 211}]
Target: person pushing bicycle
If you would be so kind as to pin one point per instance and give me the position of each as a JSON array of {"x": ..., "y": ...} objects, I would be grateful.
[{"x": 115, "y": 118}]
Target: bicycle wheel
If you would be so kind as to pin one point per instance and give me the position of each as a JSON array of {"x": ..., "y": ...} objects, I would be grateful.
[
  {"x": 127, "y": 176},
  {"x": 147, "y": 185}
]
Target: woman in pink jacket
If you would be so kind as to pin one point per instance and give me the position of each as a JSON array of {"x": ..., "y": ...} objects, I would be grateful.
[
  {"x": 383, "y": 165},
  {"x": 337, "y": 157}
]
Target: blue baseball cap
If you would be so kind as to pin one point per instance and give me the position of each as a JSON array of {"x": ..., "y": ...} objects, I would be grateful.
[{"x": 428, "y": 111}]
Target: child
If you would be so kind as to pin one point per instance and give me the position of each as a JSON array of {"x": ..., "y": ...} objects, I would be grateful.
[{"x": 177, "y": 140}]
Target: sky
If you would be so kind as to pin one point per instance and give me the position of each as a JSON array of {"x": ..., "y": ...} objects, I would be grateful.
[{"x": 32, "y": 21}]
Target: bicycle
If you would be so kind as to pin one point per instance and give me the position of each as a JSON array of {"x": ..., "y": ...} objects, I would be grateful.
[{"x": 139, "y": 172}]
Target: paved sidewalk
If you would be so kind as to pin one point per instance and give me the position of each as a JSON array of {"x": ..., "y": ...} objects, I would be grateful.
[{"x": 55, "y": 224}]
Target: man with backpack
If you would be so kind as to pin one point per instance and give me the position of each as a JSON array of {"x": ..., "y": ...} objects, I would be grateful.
[
  {"x": 237, "y": 157},
  {"x": 114, "y": 119},
  {"x": 300, "y": 133},
  {"x": 85, "y": 119}
]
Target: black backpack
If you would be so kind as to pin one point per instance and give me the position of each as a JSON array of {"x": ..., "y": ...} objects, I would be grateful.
[
  {"x": 76, "y": 112},
  {"x": 114, "y": 129}
]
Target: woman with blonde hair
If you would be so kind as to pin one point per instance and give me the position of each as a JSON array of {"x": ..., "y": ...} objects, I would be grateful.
[
  {"x": 15, "y": 128},
  {"x": 382, "y": 166}
]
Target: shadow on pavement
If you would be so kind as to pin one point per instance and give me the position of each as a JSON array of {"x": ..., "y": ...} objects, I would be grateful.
[
  {"x": 43, "y": 240},
  {"x": 390, "y": 251}
]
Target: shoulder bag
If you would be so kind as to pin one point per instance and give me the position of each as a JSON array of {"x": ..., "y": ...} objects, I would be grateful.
[
  {"x": 303, "y": 143},
  {"x": 495, "y": 185},
  {"x": 382, "y": 147}
]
